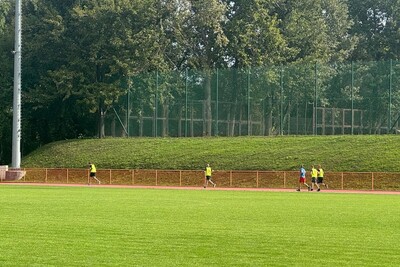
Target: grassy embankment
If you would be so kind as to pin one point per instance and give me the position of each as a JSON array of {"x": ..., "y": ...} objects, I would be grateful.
[{"x": 335, "y": 153}]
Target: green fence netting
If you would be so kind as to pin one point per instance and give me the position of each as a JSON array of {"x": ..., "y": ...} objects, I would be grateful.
[{"x": 294, "y": 99}]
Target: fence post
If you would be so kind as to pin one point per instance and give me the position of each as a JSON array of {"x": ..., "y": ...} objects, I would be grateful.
[
  {"x": 372, "y": 180},
  {"x": 281, "y": 102},
  {"x": 127, "y": 103},
  {"x": 390, "y": 96},
  {"x": 133, "y": 176},
  {"x": 342, "y": 181},
  {"x": 156, "y": 105},
  {"x": 248, "y": 104},
  {"x": 110, "y": 176},
  {"x": 230, "y": 178},
  {"x": 315, "y": 129},
  {"x": 45, "y": 177},
  {"x": 257, "y": 179},
  {"x": 352, "y": 97},
  {"x": 180, "y": 178},
  {"x": 156, "y": 178},
  {"x": 217, "y": 115},
  {"x": 67, "y": 175},
  {"x": 284, "y": 179},
  {"x": 186, "y": 102}
]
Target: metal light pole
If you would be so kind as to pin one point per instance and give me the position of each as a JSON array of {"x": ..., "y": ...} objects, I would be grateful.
[{"x": 16, "y": 132}]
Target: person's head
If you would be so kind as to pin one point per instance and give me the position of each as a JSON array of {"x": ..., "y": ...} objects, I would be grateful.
[
  {"x": 208, "y": 164},
  {"x": 301, "y": 166},
  {"x": 319, "y": 166}
]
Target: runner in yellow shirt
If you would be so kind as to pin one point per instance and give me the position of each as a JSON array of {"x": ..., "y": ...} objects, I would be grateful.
[
  {"x": 320, "y": 178},
  {"x": 208, "y": 172},
  {"x": 92, "y": 169},
  {"x": 314, "y": 175}
]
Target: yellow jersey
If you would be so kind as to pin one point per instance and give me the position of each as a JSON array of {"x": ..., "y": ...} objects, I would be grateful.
[
  {"x": 92, "y": 168},
  {"x": 314, "y": 173},
  {"x": 208, "y": 171}
]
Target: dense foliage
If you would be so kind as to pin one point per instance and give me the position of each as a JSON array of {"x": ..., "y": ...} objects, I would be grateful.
[{"x": 79, "y": 54}]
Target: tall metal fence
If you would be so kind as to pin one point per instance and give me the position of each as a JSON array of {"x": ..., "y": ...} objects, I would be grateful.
[
  {"x": 299, "y": 99},
  {"x": 226, "y": 178}
]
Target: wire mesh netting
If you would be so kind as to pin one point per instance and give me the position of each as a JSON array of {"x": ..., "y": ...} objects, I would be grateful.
[{"x": 301, "y": 99}]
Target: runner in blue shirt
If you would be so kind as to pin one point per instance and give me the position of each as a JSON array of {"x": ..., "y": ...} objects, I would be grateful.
[{"x": 302, "y": 180}]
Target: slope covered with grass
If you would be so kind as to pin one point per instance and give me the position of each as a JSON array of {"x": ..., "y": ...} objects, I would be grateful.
[{"x": 335, "y": 153}]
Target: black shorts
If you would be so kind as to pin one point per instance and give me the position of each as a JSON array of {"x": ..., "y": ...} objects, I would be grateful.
[
  {"x": 313, "y": 180},
  {"x": 208, "y": 177},
  {"x": 320, "y": 180},
  {"x": 92, "y": 174}
]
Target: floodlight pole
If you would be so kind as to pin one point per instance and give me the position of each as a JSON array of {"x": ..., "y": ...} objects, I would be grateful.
[{"x": 16, "y": 132}]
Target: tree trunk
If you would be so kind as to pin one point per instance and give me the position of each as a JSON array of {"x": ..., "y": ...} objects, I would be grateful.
[
  {"x": 191, "y": 120},
  {"x": 180, "y": 123},
  {"x": 140, "y": 123},
  {"x": 234, "y": 107},
  {"x": 207, "y": 96},
  {"x": 102, "y": 114},
  {"x": 165, "y": 119},
  {"x": 113, "y": 124},
  {"x": 269, "y": 117},
  {"x": 125, "y": 122}
]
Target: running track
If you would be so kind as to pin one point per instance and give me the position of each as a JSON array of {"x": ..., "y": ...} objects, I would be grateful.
[{"x": 209, "y": 188}]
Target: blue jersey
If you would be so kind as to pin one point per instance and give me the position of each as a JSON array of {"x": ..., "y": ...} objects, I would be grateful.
[{"x": 302, "y": 173}]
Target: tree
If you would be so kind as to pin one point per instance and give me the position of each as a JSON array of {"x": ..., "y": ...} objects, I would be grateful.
[
  {"x": 49, "y": 110},
  {"x": 199, "y": 37},
  {"x": 316, "y": 31},
  {"x": 255, "y": 40},
  {"x": 91, "y": 50},
  {"x": 254, "y": 35},
  {"x": 376, "y": 24},
  {"x": 6, "y": 80}
]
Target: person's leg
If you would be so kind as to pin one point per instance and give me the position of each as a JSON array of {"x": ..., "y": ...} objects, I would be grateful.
[
  {"x": 308, "y": 187},
  {"x": 304, "y": 182},
  {"x": 324, "y": 184},
  {"x": 214, "y": 184},
  {"x": 98, "y": 181},
  {"x": 90, "y": 179},
  {"x": 319, "y": 182},
  {"x": 206, "y": 184}
]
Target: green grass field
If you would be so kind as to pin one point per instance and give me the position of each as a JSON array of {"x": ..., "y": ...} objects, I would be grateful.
[{"x": 93, "y": 226}]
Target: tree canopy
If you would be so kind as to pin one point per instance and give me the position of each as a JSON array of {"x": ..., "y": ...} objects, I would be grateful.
[{"x": 79, "y": 56}]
